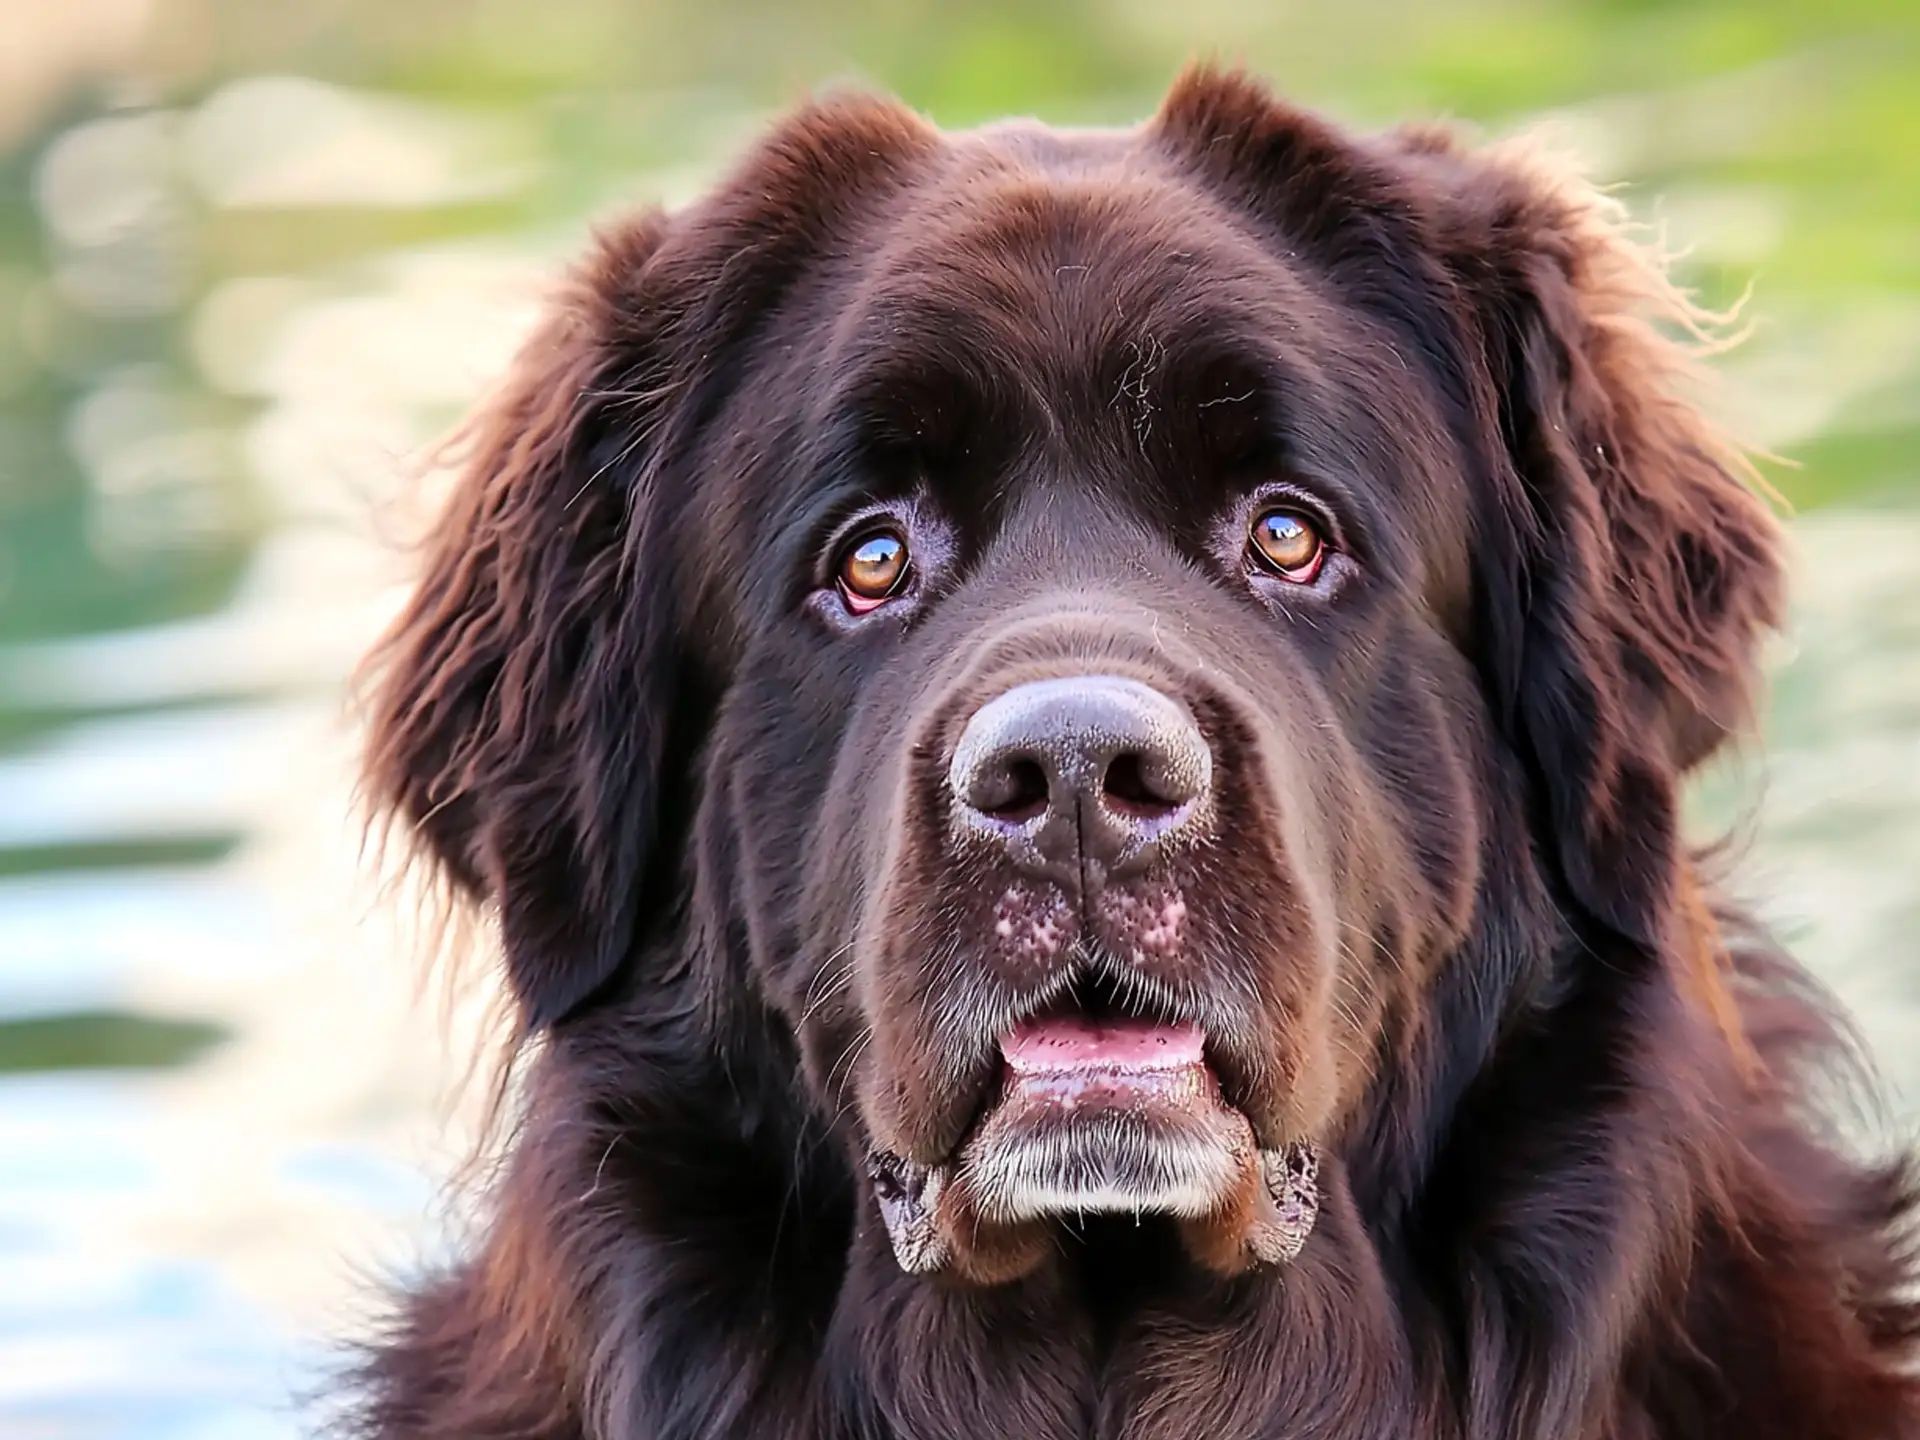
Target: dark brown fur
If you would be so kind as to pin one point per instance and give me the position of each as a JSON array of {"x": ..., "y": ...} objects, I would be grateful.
[{"x": 1578, "y": 1182}]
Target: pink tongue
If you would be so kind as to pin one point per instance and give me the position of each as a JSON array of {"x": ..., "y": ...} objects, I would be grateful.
[{"x": 1070, "y": 1044}]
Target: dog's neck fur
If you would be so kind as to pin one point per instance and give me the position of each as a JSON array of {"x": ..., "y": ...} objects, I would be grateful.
[{"x": 1439, "y": 1283}]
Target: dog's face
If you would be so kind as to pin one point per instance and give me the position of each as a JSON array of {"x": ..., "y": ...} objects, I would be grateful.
[
  {"x": 1100, "y": 620},
  {"x": 1103, "y": 719}
]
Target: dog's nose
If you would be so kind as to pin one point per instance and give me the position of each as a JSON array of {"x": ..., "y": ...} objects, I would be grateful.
[{"x": 1083, "y": 779}]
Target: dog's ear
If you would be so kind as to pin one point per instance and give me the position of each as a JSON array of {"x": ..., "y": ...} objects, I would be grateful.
[
  {"x": 526, "y": 693},
  {"x": 1628, "y": 572},
  {"x": 528, "y": 705}
]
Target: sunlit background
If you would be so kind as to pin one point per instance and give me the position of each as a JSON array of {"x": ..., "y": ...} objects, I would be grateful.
[{"x": 255, "y": 255}]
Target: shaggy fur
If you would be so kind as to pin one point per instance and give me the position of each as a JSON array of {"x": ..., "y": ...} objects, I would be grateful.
[{"x": 1576, "y": 1178}]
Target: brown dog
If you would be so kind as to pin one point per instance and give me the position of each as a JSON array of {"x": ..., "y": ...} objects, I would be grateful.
[{"x": 1075, "y": 742}]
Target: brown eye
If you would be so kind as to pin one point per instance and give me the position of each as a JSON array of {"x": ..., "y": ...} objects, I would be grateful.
[
  {"x": 1287, "y": 542},
  {"x": 872, "y": 570}
]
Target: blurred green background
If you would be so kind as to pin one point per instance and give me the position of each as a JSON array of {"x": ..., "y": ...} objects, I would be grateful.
[{"x": 255, "y": 255}]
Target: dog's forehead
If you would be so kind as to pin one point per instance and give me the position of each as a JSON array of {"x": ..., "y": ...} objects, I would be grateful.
[
  {"x": 1041, "y": 209},
  {"x": 1063, "y": 258},
  {"x": 1096, "y": 275},
  {"x": 1043, "y": 301}
]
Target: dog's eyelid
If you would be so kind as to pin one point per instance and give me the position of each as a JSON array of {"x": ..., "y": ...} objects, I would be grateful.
[
  {"x": 1323, "y": 512},
  {"x": 926, "y": 550}
]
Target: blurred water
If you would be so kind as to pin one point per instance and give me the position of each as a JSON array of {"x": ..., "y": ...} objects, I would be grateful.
[{"x": 240, "y": 291}]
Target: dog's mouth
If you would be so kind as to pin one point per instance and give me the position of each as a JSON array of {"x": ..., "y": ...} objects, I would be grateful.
[
  {"x": 1101, "y": 1107},
  {"x": 1102, "y": 1113}
]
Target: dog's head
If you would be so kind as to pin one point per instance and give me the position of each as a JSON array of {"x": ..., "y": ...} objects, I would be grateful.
[{"x": 1081, "y": 629}]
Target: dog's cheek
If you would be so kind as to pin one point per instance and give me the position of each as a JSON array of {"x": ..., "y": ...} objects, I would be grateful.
[{"x": 904, "y": 1084}]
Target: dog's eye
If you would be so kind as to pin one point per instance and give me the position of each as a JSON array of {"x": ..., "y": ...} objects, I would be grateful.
[
  {"x": 872, "y": 570},
  {"x": 1288, "y": 544}
]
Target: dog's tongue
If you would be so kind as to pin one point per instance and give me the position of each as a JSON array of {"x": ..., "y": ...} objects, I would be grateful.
[{"x": 1072, "y": 1044}]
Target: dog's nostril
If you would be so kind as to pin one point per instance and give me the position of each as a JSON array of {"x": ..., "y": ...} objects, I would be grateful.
[
  {"x": 1015, "y": 791},
  {"x": 1128, "y": 788}
]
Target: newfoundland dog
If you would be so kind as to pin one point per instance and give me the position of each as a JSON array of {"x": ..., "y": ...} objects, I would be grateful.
[{"x": 1075, "y": 741}]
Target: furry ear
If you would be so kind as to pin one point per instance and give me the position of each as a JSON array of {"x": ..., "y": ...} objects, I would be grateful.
[
  {"x": 528, "y": 703},
  {"x": 1628, "y": 571},
  {"x": 525, "y": 694}
]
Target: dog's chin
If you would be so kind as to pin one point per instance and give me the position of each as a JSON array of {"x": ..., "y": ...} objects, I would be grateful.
[{"x": 1102, "y": 1140}]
